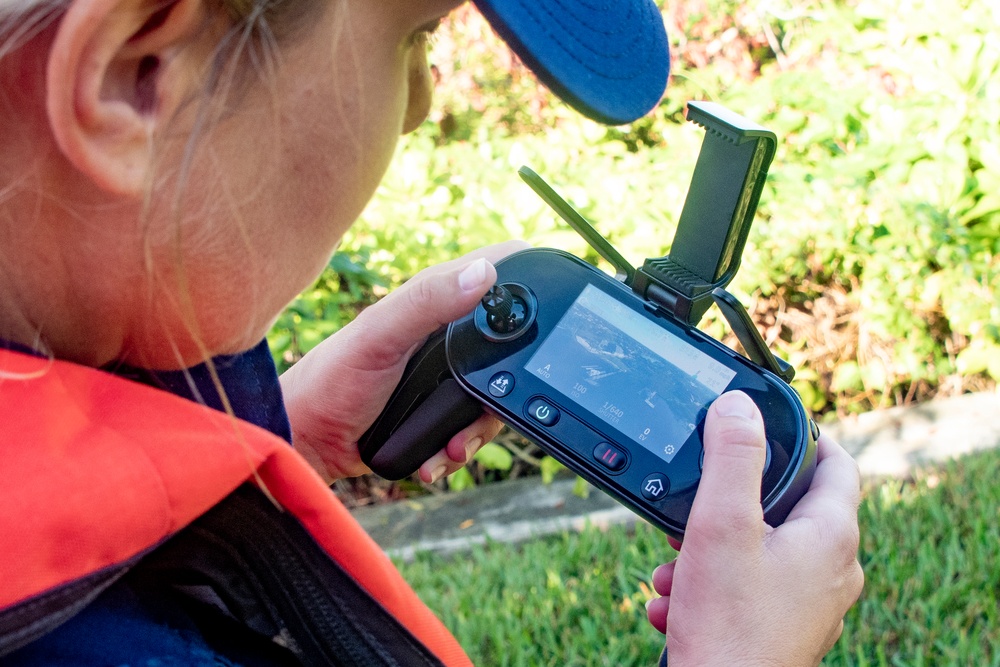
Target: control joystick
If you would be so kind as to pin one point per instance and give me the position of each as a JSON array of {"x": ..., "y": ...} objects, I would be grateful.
[
  {"x": 506, "y": 312},
  {"x": 499, "y": 306}
]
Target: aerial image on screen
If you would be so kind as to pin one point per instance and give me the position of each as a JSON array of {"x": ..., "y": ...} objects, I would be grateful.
[{"x": 647, "y": 383}]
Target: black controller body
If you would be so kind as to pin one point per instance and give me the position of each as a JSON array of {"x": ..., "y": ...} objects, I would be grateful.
[{"x": 602, "y": 380}]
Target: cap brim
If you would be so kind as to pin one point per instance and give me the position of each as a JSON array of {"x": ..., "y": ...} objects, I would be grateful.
[{"x": 609, "y": 59}]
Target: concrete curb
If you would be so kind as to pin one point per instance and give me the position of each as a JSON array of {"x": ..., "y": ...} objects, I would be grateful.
[
  {"x": 890, "y": 443},
  {"x": 886, "y": 443}
]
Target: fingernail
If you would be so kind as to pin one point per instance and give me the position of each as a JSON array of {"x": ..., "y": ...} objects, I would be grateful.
[
  {"x": 436, "y": 475},
  {"x": 472, "y": 446},
  {"x": 473, "y": 276},
  {"x": 735, "y": 404}
]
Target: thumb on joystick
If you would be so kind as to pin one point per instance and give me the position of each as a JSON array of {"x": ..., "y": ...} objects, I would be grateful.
[{"x": 503, "y": 312}]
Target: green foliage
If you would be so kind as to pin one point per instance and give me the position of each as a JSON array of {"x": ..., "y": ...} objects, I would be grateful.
[
  {"x": 495, "y": 457},
  {"x": 549, "y": 468},
  {"x": 931, "y": 590},
  {"x": 347, "y": 285},
  {"x": 460, "y": 480},
  {"x": 887, "y": 185}
]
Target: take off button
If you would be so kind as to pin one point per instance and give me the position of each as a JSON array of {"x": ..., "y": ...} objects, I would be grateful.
[
  {"x": 542, "y": 412},
  {"x": 610, "y": 456}
]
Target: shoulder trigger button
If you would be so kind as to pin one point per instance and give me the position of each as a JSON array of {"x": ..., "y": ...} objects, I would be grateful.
[{"x": 814, "y": 429}]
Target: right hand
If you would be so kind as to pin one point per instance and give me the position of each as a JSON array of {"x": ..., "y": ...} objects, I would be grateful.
[{"x": 741, "y": 592}]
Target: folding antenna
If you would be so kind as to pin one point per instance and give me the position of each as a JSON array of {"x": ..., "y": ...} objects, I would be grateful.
[{"x": 624, "y": 271}]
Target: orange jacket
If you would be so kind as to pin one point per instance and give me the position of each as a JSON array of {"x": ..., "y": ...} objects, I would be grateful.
[{"x": 96, "y": 470}]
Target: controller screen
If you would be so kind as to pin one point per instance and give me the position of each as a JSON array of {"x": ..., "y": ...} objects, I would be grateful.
[{"x": 635, "y": 375}]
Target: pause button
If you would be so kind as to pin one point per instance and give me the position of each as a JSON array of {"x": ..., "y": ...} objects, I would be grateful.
[{"x": 610, "y": 456}]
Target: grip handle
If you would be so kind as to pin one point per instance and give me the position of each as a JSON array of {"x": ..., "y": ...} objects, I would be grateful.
[
  {"x": 426, "y": 409},
  {"x": 447, "y": 410}
]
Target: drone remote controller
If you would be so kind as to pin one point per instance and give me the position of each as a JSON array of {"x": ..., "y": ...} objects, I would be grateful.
[{"x": 609, "y": 375}]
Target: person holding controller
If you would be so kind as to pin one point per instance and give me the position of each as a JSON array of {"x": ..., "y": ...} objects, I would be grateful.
[{"x": 173, "y": 173}]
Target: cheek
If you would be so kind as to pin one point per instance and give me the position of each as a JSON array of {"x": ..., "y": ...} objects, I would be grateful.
[
  {"x": 280, "y": 185},
  {"x": 332, "y": 163},
  {"x": 342, "y": 100},
  {"x": 345, "y": 136},
  {"x": 305, "y": 183}
]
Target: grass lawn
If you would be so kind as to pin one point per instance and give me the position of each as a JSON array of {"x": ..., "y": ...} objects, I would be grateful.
[{"x": 929, "y": 549}]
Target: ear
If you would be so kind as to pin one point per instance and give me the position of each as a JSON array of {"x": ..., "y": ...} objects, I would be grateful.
[{"x": 112, "y": 81}]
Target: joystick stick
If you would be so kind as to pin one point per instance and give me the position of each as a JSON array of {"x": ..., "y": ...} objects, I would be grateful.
[
  {"x": 499, "y": 305},
  {"x": 506, "y": 312}
]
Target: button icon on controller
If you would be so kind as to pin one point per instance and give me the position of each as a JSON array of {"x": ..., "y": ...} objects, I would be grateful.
[
  {"x": 542, "y": 412},
  {"x": 655, "y": 486},
  {"x": 501, "y": 384},
  {"x": 610, "y": 456}
]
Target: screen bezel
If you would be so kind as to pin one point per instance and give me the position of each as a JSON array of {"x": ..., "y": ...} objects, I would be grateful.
[{"x": 557, "y": 279}]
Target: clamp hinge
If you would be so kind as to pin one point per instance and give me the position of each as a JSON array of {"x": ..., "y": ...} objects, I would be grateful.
[{"x": 674, "y": 288}]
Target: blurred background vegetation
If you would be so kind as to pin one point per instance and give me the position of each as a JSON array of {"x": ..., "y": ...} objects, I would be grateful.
[{"x": 874, "y": 260}]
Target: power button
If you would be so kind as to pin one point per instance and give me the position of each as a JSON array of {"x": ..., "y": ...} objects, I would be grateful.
[{"x": 542, "y": 411}]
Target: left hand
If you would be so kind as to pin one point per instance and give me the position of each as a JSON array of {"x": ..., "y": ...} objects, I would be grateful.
[{"x": 336, "y": 391}]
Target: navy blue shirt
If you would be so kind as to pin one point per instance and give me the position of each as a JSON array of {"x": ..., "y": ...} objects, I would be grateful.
[
  {"x": 250, "y": 381},
  {"x": 129, "y": 626}
]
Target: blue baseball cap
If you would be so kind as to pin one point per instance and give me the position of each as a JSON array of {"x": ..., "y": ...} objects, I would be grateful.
[{"x": 608, "y": 59}]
